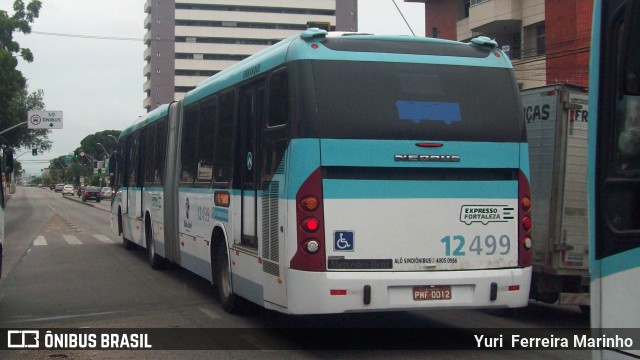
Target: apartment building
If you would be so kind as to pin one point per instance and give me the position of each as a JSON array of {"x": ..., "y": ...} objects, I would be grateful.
[
  {"x": 190, "y": 40},
  {"x": 547, "y": 40}
]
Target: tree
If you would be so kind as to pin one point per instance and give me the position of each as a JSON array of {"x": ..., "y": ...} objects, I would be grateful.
[
  {"x": 90, "y": 143},
  {"x": 24, "y": 137},
  {"x": 20, "y": 21},
  {"x": 14, "y": 98}
]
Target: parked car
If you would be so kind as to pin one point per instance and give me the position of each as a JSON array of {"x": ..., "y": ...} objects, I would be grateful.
[
  {"x": 91, "y": 192},
  {"x": 52, "y": 186},
  {"x": 107, "y": 192},
  {"x": 59, "y": 187},
  {"x": 68, "y": 190}
]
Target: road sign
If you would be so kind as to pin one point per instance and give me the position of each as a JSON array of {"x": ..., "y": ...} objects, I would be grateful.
[{"x": 44, "y": 119}]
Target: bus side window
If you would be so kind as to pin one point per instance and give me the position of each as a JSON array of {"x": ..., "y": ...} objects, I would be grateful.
[
  {"x": 160, "y": 153},
  {"x": 278, "y": 102},
  {"x": 132, "y": 159},
  {"x": 223, "y": 142},
  {"x": 628, "y": 133},
  {"x": 205, "y": 143},
  {"x": 621, "y": 119},
  {"x": 188, "y": 145},
  {"x": 148, "y": 145}
]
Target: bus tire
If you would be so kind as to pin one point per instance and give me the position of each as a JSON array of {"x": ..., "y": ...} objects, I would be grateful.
[
  {"x": 126, "y": 243},
  {"x": 155, "y": 260},
  {"x": 228, "y": 299}
]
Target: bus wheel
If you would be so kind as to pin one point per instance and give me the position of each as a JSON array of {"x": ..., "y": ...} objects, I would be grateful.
[
  {"x": 154, "y": 259},
  {"x": 128, "y": 245},
  {"x": 223, "y": 281}
]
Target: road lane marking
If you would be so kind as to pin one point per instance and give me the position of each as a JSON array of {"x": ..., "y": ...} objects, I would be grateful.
[
  {"x": 40, "y": 241},
  {"x": 72, "y": 240},
  {"x": 210, "y": 313},
  {"x": 63, "y": 317},
  {"x": 103, "y": 238}
]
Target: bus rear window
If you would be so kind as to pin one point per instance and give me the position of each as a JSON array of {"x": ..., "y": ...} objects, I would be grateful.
[{"x": 407, "y": 101}]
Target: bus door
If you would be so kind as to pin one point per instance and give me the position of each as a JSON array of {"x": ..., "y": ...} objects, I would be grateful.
[
  {"x": 251, "y": 111},
  {"x": 133, "y": 200},
  {"x": 274, "y": 143},
  {"x": 615, "y": 147}
]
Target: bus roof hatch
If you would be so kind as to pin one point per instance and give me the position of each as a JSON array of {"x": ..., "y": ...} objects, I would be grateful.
[
  {"x": 313, "y": 33},
  {"x": 484, "y": 41}
]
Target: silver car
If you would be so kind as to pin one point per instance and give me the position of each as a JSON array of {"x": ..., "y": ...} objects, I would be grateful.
[
  {"x": 67, "y": 190},
  {"x": 107, "y": 192}
]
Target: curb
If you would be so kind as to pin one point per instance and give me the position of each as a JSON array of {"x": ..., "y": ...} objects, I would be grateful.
[{"x": 72, "y": 198}]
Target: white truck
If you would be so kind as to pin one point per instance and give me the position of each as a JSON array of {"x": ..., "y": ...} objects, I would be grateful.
[{"x": 557, "y": 123}]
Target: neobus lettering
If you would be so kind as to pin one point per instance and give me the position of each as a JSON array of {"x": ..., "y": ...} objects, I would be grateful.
[{"x": 254, "y": 70}]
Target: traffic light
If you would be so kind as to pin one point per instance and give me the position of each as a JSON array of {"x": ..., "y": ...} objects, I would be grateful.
[
  {"x": 75, "y": 154},
  {"x": 34, "y": 152},
  {"x": 99, "y": 172}
]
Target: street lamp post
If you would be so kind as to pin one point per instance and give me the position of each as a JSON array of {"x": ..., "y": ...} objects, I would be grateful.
[{"x": 106, "y": 154}]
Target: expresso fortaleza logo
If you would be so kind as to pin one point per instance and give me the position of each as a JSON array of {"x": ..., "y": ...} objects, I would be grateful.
[{"x": 486, "y": 213}]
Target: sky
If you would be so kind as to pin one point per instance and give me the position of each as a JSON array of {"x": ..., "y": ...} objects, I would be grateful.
[{"x": 95, "y": 76}]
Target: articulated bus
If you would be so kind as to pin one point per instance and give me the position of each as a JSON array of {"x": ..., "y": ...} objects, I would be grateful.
[
  {"x": 614, "y": 171},
  {"x": 333, "y": 173}
]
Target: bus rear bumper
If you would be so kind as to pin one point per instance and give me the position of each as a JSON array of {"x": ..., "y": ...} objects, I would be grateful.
[{"x": 338, "y": 292}]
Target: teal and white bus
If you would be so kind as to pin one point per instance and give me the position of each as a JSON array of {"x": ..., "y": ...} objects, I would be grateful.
[
  {"x": 333, "y": 173},
  {"x": 6, "y": 164},
  {"x": 614, "y": 173}
]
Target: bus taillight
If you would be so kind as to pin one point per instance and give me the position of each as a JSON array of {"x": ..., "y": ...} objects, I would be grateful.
[
  {"x": 310, "y": 253},
  {"x": 524, "y": 221}
]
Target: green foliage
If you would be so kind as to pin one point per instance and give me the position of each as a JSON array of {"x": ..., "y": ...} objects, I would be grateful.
[
  {"x": 69, "y": 168},
  {"x": 90, "y": 143},
  {"x": 21, "y": 21},
  {"x": 15, "y": 101}
]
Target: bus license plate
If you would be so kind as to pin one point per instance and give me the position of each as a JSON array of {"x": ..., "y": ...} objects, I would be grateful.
[{"x": 440, "y": 292}]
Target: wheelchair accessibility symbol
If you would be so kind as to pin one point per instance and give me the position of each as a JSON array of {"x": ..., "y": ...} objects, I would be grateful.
[{"x": 343, "y": 240}]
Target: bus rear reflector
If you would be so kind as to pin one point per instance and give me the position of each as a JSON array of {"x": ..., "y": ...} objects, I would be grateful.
[
  {"x": 524, "y": 221},
  {"x": 338, "y": 292},
  {"x": 310, "y": 253}
]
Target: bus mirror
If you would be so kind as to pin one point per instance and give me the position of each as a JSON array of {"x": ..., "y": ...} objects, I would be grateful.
[
  {"x": 630, "y": 59},
  {"x": 7, "y": 160}
]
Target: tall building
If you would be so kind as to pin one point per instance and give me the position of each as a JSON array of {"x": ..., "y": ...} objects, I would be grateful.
[
  {"x": 547, "y": 41},
  {"x": 191, "y": 40}
]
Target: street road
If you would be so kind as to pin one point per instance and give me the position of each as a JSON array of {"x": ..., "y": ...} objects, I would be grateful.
[{"x": 63, "y": 268}]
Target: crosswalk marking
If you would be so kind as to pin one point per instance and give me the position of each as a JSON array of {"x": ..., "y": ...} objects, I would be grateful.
[
  {"x": 103, "y": 238},
  {"x": 40, "y": 241},
  {"x": 71, "y": 239}
]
